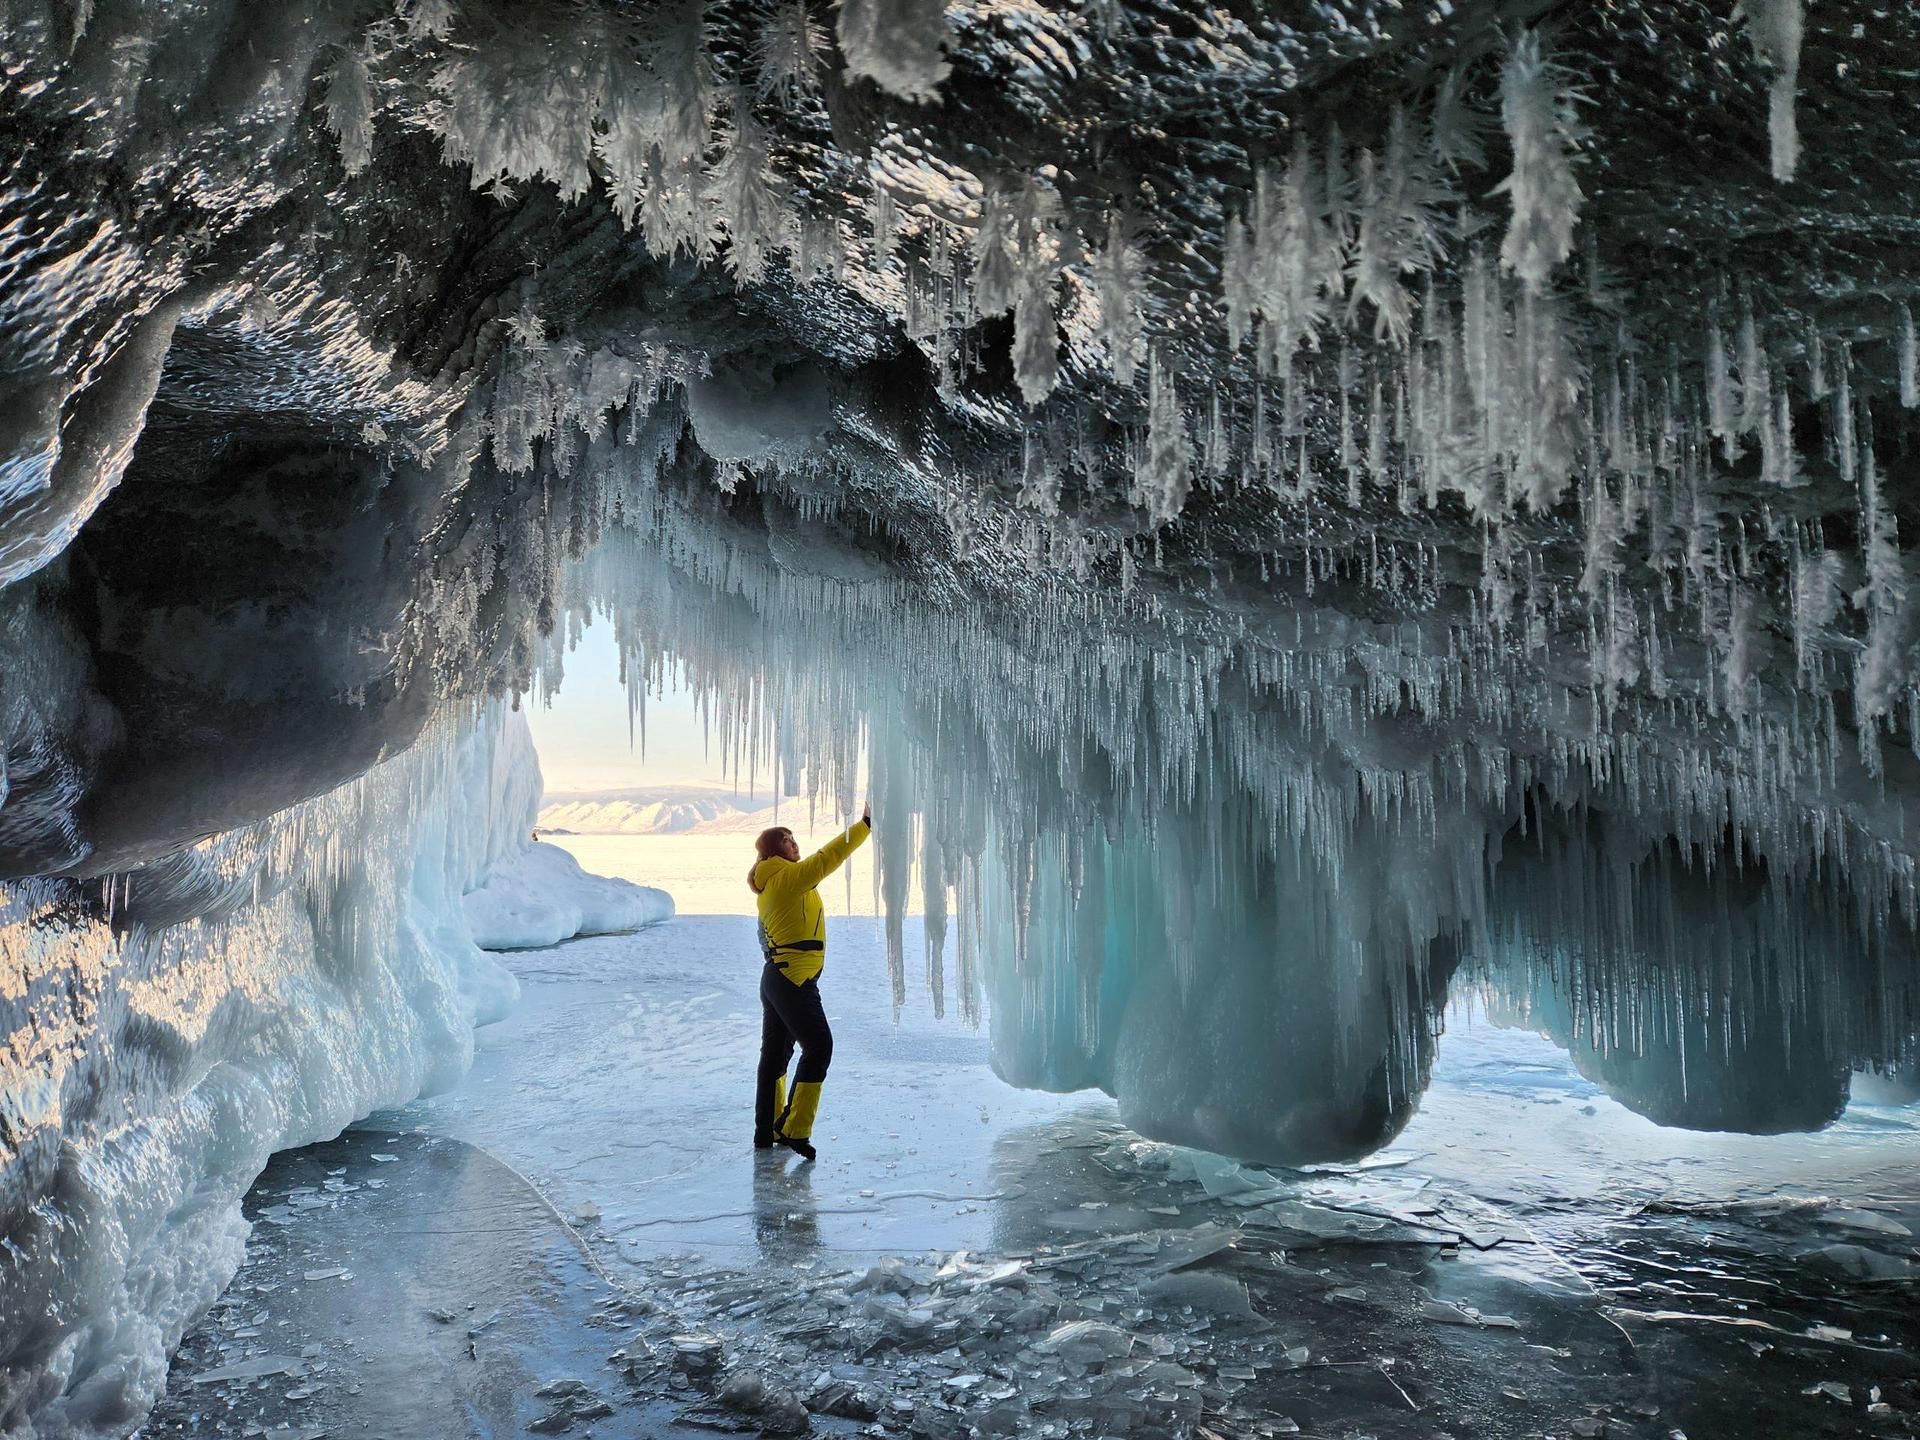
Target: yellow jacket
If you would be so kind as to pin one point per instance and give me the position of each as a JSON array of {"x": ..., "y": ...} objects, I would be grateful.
[{"x": 793, "y": 922}]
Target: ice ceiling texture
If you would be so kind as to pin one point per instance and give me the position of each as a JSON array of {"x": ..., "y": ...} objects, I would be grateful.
[{"x": 1308, "y": 505}]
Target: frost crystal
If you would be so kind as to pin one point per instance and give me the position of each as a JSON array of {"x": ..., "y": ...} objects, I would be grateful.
[
  {"x": 896, "y": 44},
  {"x": 1399, "y": 228},
  {"x": 747, "y": 198},
  {"x": 526, "y": 329},
  {"x": 1537, "y": 105},
  {"x": 1165, "y": 471},
  {"x": 790, "y": 51},
  {"x": 1118, "y": 274},
  {"x": 427, "y": 19},
  {"x": 349, "y": 107}
]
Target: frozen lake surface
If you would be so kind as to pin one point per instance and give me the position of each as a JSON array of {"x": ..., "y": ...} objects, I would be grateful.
[{"x": 1528, "y": 1259}]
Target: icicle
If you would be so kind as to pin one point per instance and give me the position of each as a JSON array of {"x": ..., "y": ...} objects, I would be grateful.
[
  {"x": 1217, "y": 453},
  {"x": 1239, "y": 287},
  {"x": 1720, "y": 412},
  {"x": 1537, "y": 106},
  {"x": 1880, "y": 671},
  {"x": 1786, "y": 467},
  {"x": 1843, "y": 437},
  {"x": 1349, "y": 453},
  {"x": 1908, "y": 346},
  {"x": 883, "y": 223},
  {"x": 1118, "y": 274},
  {"x": 1775, "y": 27},
  {"x": 1755, "y": 383},
  {"x": 1816, "y": 363},
  {"x": 1816, "y": 601},
  {"x": 1739, "y": 656},
  {"x": 1377, "y": 433},
  {"x": 1163, "y": 475}
]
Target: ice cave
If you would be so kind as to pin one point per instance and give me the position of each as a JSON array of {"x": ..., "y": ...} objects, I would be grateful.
[{"x": 1359, "y": 550}]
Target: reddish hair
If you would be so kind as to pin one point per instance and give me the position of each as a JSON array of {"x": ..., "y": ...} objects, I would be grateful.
[{"x": 765, "y": 844}]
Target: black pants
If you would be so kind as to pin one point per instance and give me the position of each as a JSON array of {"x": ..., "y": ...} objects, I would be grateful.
[{"x": 789, "y": 1013}]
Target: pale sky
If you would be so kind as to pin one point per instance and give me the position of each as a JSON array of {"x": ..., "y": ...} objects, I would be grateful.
[{"x": 583, "y": 736}]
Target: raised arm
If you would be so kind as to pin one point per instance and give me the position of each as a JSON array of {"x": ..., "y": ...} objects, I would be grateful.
[{"x": 831, "y": 856}]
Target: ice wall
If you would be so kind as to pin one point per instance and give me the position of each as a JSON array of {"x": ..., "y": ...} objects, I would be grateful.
[{"x": 287, "y": 978}]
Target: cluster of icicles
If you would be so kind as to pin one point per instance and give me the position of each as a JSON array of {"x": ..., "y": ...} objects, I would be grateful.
[
  {"x": 1391, "y": 375},
  {"x": 1382, "y": 770},
  {"x": 1392, "y": 371}
]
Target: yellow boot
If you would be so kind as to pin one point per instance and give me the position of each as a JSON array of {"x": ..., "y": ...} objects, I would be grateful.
[{"x": 795, "y": 1126}]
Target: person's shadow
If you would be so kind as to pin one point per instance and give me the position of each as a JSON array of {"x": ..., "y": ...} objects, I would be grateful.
[{"x": 786, "y": 1221}]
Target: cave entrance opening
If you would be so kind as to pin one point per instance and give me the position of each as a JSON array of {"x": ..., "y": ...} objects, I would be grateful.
[{"x": 665, "y": 789}]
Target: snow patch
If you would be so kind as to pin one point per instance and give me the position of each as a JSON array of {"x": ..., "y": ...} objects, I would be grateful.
[{"x": 539, "y": 896}]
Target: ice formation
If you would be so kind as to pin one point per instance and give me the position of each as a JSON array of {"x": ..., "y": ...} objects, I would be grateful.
[
  {"x": 170, "y": 1030},
  {"x": 540, "y": 896},
  {"x": 1300, "y": 512}
]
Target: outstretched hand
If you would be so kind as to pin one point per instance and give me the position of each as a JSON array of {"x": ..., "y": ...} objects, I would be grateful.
[{"x": 866, "y": 815}]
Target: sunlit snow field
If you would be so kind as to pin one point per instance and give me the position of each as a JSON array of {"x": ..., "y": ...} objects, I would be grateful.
[{"x": 707, "y": 874}]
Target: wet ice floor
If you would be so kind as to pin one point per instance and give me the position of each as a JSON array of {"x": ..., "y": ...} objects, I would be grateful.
[
  {"x": 624, "y": 1081},
  {"x": 584, "y": 1217}
]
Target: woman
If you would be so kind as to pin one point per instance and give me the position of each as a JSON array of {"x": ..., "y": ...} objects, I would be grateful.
[{"x": 793, "y": 937}]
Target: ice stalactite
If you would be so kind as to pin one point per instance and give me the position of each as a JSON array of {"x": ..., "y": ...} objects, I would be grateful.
[
  {"x": 1036, "y": 360},
  {"x": 349, "y": 106},
  {"x": 1284, "y": 265},
  {"x": 1397, "y": 233},
  {"x": 1118, "y": 276},
  {"x": 1538, "y": 108},
  {"x": 1776, "y": 28},
  {"x": 1881, "y": 670},
  {"x": 1699, "y": 993},
  {"x": 746, "y": 193},
  {"x": 1089, "y": 993},
  {"x": 1164, "y": 473},
  {"x": 790, "y": 52}
]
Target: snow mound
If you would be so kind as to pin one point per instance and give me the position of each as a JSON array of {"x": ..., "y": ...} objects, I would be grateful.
[{"x": 539, "y": 896}]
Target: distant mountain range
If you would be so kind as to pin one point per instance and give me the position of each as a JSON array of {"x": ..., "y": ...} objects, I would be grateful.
[{"x": 681, "y": 810}]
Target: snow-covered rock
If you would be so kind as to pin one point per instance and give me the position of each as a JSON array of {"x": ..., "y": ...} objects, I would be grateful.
[{"x": 540, "y": 896}]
